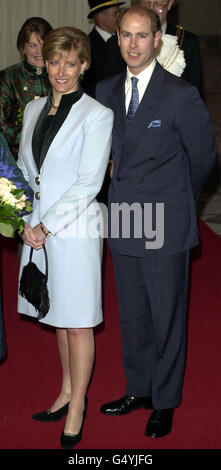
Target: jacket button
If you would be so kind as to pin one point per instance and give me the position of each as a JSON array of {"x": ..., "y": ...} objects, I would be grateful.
[
  {"x": 118, "y": 178},
  {"x": 37, "y": 180},
  {"x": 142, "y": 181},
  {"x": 151, "y": 158},
  {"x": 37, "y": 195}
]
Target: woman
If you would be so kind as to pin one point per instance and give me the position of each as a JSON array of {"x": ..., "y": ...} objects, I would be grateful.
[
  {"x": 70, "y": 136},
  {"x": 9, "y": 169},
  {"x": 23, "y": 82}
]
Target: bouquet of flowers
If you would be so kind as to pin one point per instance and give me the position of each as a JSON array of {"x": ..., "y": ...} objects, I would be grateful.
[{"x": 13, "y": 205}]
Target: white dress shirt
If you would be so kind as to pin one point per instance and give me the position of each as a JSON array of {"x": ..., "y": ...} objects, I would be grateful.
[
  {"x": 143, "y": 80},
  {"x": 164, "y": 28},
  {"x": 104, "y": 34}
]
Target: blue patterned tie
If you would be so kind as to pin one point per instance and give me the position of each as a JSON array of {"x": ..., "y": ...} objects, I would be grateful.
[{"x": 134, "y": 102}]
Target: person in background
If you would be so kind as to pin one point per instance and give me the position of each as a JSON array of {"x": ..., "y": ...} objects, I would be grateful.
[
  {"x": 106, "y": 59},
  {"x": 23, "y": 82},
  {"x": 10, "y": 170},
  {"x": 187, "y": 42},
  {"x": 64, "y": 152},
  {"x": 163, "y": 151}
]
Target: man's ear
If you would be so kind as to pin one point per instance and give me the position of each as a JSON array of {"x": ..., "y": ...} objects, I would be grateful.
[
  {"x": 157, "y": 38},
  {"x": 118, "y": 37}
]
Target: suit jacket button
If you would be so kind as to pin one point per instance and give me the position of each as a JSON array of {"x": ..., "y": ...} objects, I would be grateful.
[
  {"x": 37, "y": 195},
  {"x": 118, "y": 178},
  {"x": 37, "y": 180},
  {"x": 142, "y": 181}
]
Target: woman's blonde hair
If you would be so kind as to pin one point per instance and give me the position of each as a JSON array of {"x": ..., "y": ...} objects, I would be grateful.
[{"x": 63, "y": 40}]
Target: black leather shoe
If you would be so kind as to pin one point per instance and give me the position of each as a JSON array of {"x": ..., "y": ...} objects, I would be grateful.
[
  {"x": 160, "y": 423},
  {"x": 48, "y": 416},
  {"x": 68, "y": 441},
  {"x": 125, "y": 405}
]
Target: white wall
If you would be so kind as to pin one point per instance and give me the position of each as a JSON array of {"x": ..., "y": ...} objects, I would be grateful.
[{"x": 13, "y": 14}]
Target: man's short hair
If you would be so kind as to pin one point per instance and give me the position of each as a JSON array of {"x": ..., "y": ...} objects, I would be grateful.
[{"x": 142, "y": 11}]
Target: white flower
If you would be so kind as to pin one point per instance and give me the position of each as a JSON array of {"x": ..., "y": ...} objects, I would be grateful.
[
  {"x": 4, "y": 181},
  {"x": 20, "y": 205},
  {"x": 6, "y": 196}
]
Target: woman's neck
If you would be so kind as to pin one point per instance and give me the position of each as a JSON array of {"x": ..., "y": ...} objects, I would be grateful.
[{"x": 56, "y": 98}]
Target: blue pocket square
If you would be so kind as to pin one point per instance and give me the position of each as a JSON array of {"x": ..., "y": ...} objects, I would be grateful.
[{"x": 156, "y": 123}]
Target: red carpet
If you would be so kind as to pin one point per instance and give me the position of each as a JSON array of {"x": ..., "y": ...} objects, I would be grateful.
[{"x": 30, "y": 376}]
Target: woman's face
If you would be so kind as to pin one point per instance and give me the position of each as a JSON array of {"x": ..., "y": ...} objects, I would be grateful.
[
  {"x": 33, "y": 51},
  {"x": 64, "y": 71}
]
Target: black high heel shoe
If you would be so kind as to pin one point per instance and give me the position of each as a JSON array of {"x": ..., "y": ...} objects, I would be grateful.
[
  {"x": 68, "y": 441},
  {"x": 48, "y": 416}
]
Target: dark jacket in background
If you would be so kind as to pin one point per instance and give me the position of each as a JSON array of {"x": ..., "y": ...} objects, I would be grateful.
[
  {"x": 189, "y": 43},
  {"x": 106, "y": 61}
]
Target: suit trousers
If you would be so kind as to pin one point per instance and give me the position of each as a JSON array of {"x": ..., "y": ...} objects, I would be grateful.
[{"x": 152, "y": 298}]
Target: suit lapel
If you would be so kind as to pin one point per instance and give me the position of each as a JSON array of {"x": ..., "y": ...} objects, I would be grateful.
[
  {"x": 53, "y": 129},
  {"x": 148, "y": 110},
  {"x": 40, "y": 148},
  {"x": 117, "y": 101},
  {"x": 150, "y": 101},
  {"x": 36, "y": 138}
]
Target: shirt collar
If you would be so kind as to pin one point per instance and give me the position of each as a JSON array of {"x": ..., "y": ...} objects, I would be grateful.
[
  {"x": 104, "y": 34},
  {"x": 143, "y": 76},
  {"x": 164, "y": 28},
  {"x": 33, "y": 70},
  {"x": 66, "y": 100}
]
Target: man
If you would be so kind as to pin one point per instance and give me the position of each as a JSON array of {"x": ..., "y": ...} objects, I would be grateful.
[
  {"x": 106, "y": 59},
  {"x": 162, "y": 156},
  {"x": 187, "y": 41}
]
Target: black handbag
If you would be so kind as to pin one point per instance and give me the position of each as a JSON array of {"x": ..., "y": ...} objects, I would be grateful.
[{"x": 33, "y": 286}]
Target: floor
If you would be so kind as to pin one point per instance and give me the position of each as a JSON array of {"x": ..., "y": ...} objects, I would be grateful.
[{"x": 209, "y": 203}]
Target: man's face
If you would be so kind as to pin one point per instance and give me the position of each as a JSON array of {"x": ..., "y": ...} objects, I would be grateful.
[
  {"x": 110, "y": 19},
  {"x": 161, "y": 7},
  {"x": 136, "y": 41}
]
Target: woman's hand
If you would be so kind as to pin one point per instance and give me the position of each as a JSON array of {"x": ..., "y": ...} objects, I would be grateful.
[
  {"x": 33, "y": 236},
  {"x": 39, "y": 235}
]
